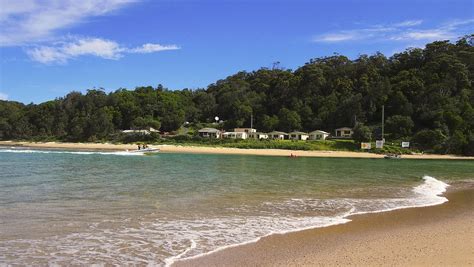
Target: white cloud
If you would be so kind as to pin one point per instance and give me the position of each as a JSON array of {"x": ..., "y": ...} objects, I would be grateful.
[
  {"x": 435, "y": 34},
  {"x": 94, "y": 46},
  {"x": 3, "y": 96},
  {"x": 336, "y": 37},
  {"x": 402, "y": 31},
  {"x": 408, "y": 23},
  {"x": 37, "y": 25},
  {"x": 29, "y": 21},
  {"x": 61, "y": 52},
  {"x": 150, "y": 48}
]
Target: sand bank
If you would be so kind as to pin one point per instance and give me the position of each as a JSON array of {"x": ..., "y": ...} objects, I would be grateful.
[
  {"x": 219, "y": 150},
  {"x": 431, "y": 236}
]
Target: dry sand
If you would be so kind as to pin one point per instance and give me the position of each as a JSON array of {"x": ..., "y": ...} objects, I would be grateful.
[
  {"x": 219, "y": 150},
  {"x": 432, "y": 236}
]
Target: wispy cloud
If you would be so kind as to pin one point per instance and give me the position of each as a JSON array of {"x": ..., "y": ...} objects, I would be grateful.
[
  {"x": 62, "y": 52},
  {"x": 28, "y": 21},
  {"x": 336, "y": 37},
  {"x": 3, "y": 96},
  {"x": 416, "y": 35},
  {"x": 38, "y": 26},
  {"x": 408, "y": 31},
  {"x": 408, "y": 23},
  {"x": 151, "y": 48}
]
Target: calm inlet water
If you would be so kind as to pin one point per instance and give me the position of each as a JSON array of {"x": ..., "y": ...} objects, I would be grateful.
[{"x": 59, "y": 207}]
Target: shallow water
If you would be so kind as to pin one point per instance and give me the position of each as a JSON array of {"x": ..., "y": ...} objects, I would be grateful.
[{"x": 60, "y": 207}]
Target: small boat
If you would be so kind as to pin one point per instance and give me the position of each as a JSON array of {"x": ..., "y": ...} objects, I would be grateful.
[
  {"x": 392, "y": 156},
  {"x": 145, "y": 150}
]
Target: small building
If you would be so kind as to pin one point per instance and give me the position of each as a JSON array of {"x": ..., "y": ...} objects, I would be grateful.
[
  {"x": 235, "y": 135},
  {"x": 277, "y": 135},
  {"x": 245, "y": 130},
  {"x": 344, "y": 132},
  {"x": 141, "y": 131},
  {"x": 209, "y": 133},
  {"x": 318, "y": 135},
  {"x": 298, "y": 136},
  {"x": 257, "y": 135}
]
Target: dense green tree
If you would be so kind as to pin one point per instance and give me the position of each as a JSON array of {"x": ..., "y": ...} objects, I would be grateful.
[
  {"x": 289, "y": 120},
  {"x": 429, "y": 140},
  {"x": 268, "y": 123},
  {"x": 427, "y": 93},
  {"x": 362, "y": 133},
  {"x": 399, "y": 126}
]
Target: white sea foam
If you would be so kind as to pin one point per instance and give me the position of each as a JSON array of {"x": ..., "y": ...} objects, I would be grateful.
[
  {"x": 427, "y": 194},
  {"x": 38, "y": 151},
  {"x": 163, "y": 241}
]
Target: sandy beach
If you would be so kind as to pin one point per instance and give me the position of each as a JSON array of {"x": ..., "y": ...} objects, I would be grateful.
[
  {"x": 431, "y": 236},
  {"x": 217, "y": 150}
]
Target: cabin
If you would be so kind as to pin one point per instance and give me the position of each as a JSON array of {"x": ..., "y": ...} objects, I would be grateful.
[
  {"x": 235, "y": 135},
  {"x": 245, "y": 130},
  {"x": 209, "y": 133},
  {"x": 146, "y": 131},
  {"x": 344, "y": 132},
  {"x": 258, "y": 135},
  {"x": 277, "y": 135},
  {"x": 298, "y": 136},
  {"x": 318, "y": 135}
]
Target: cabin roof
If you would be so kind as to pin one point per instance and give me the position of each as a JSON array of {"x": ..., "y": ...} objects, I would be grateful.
[
  {"x": 300, "y": 133},
  {"x": 318, "y": 131},
  {"x": 277, "y": 132},
  {"x": 208, "y": 130}
]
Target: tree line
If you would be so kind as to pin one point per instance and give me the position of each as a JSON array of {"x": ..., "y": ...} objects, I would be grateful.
[{"x": 427, "y": 94}]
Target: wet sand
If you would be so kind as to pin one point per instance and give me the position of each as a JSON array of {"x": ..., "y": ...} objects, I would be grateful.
[
  {"x": 440, "y": 235},
  {"x": 217, "y": 150}
]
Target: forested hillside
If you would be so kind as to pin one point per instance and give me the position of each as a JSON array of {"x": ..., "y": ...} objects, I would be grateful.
[{"x": 427, "y": 93}]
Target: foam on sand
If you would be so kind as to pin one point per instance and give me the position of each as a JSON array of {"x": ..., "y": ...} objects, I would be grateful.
[
  {"x": 432, "y": 189},
  {"x": 429, "y": 193}
]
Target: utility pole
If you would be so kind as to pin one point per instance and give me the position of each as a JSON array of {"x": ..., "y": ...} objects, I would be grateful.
[{"x": 383, "y": 121}]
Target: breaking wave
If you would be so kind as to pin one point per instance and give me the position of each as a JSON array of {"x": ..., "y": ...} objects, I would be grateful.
[{"x": 163, "y": 241}]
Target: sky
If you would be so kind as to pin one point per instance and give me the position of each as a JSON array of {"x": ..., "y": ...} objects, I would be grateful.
[{"x": 49, "y": 48}]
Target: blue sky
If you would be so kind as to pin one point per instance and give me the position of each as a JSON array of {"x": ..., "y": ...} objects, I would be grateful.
[{"x": 49, "y": 48}]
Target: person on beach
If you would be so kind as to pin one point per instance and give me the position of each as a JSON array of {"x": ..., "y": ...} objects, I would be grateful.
[{"x": 138, "y": 147}]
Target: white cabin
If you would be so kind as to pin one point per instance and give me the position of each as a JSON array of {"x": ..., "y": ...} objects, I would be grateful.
[
  {"x": 318, "y": 135},
  {"x": 298, "y": 136},
  {"x": 277, "y": 135},
  {"x": 257, "y": 135},
  {"x": 235, "y": 135},
  {"x": 245, "y": 130},
  {"x": 210, "y": 133},
  {"x": 344, "y": 132},
  {"x": 142, "y": 131}
]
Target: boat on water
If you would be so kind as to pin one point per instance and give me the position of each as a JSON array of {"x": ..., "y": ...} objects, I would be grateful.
[
  {"x": 145, "y": 150},
  {"x": 392, "y": 156}
]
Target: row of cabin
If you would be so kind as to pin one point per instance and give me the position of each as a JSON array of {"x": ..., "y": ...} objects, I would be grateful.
[
  {"x": 146, "y": 131},
  {"x": 244, "y": 133}
]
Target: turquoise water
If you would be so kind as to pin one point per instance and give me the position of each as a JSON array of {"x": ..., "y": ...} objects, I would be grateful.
[{"x": 60, "y": 207}]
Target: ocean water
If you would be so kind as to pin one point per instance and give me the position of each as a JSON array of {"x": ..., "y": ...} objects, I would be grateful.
[{"x": 75, "y": 208}]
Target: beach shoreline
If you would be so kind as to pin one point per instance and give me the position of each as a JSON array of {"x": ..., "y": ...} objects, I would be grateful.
[
  {"x": 440, "y": 235},
  {"x": 218, "y": 150}
]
